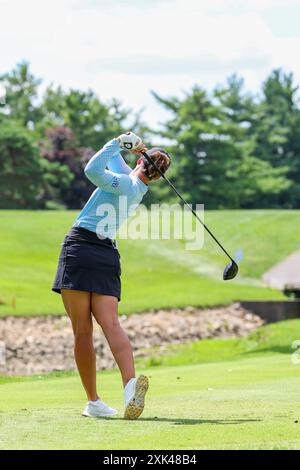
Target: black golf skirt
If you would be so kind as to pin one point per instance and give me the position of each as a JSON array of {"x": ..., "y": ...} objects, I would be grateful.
[{"x": 88, "y": 263}]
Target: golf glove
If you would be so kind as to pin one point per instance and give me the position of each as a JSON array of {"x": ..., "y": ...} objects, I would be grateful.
[{"x": 129, "y": 141}]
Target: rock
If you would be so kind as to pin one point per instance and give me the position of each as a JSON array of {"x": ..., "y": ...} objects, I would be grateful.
[{"x": 43, "y": 344}]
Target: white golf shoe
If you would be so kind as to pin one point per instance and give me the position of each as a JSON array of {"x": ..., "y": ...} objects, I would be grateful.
[
  {"x": 134, "y": 395},
  {"x": 98, "y": 409}
]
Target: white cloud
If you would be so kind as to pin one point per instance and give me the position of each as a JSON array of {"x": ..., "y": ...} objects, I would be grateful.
[
  {"x": 244, "y": 5},
  {"x": 127, "y": 48}
]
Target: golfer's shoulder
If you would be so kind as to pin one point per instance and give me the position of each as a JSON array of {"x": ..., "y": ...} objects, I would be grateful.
[{"x": 137, "y": 184}]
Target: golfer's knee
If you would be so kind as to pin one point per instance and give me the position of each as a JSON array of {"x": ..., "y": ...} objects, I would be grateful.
[
  {"x": 110, "y": 326},
  {"x": 83, "y": 333}
]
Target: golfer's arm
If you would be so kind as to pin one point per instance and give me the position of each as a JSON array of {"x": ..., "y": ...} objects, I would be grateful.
[
  {"x": 117, "y": 164},
  {"x": 107, "y": 180}
]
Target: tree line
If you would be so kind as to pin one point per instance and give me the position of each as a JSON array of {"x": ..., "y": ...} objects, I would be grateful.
[{"x": 230, "y": 148}]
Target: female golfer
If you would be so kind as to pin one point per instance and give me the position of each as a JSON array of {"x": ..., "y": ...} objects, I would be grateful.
[{"x": 88, "y": 273}]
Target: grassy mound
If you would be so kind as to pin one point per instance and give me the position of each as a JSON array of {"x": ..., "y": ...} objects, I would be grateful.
[{"x": 269, "y": 339}]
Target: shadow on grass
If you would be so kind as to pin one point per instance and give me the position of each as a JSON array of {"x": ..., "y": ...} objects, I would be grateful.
[
  {"x": 284, "y": 349},
  {"x": 190, "y": 421}
]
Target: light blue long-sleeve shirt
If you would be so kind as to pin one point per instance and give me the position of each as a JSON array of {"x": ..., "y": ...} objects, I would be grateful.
[{"x": 118, "y": 192}]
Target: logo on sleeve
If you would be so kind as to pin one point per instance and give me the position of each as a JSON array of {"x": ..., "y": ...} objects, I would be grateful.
[{"x": 115, "y": 182}]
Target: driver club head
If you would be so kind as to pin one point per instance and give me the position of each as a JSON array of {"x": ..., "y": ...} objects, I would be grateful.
[{"x": 230, "y": 271}]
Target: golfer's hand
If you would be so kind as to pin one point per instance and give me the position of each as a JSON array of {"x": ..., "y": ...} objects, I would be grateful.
[
  {"x": 141, "y": 148},
  {"x": 130, "y": 141}
]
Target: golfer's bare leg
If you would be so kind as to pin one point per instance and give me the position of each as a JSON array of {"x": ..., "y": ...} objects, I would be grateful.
[
  {"x": 78, "y": 307},
  {"x": 105, "y": 311}
]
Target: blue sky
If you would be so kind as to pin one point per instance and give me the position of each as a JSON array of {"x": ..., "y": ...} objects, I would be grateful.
[{"x": 126, "y": 48}]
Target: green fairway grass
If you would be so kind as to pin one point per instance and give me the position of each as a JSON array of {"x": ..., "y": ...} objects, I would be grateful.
[
  {"x": 217, "y": 394},
  {"x": 155, "y": 273},
  {"x": 248, "y": 404}
]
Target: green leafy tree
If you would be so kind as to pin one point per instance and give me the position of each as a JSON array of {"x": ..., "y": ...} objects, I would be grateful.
[
  {"x": 196, "y": 160},
  {"x": 272, "y": 124},
  {"x": 214, "y": 157},
  {"x": 21, "y": 94},
  {"x": 275, "y": 131},
  {"x": 92, "y": 122},
  {"x": 26, "y": 179},
  {"x": 229, "y": 148},
  {"x": 21, "y": 177},
  {"x": 291, "y": 198},
  {"x": 59, "y": 147},
  {"x": 254, "y": 182}
]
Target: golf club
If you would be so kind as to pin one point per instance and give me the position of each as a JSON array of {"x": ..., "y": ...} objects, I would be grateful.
[{"x": 232, "y": 268}]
